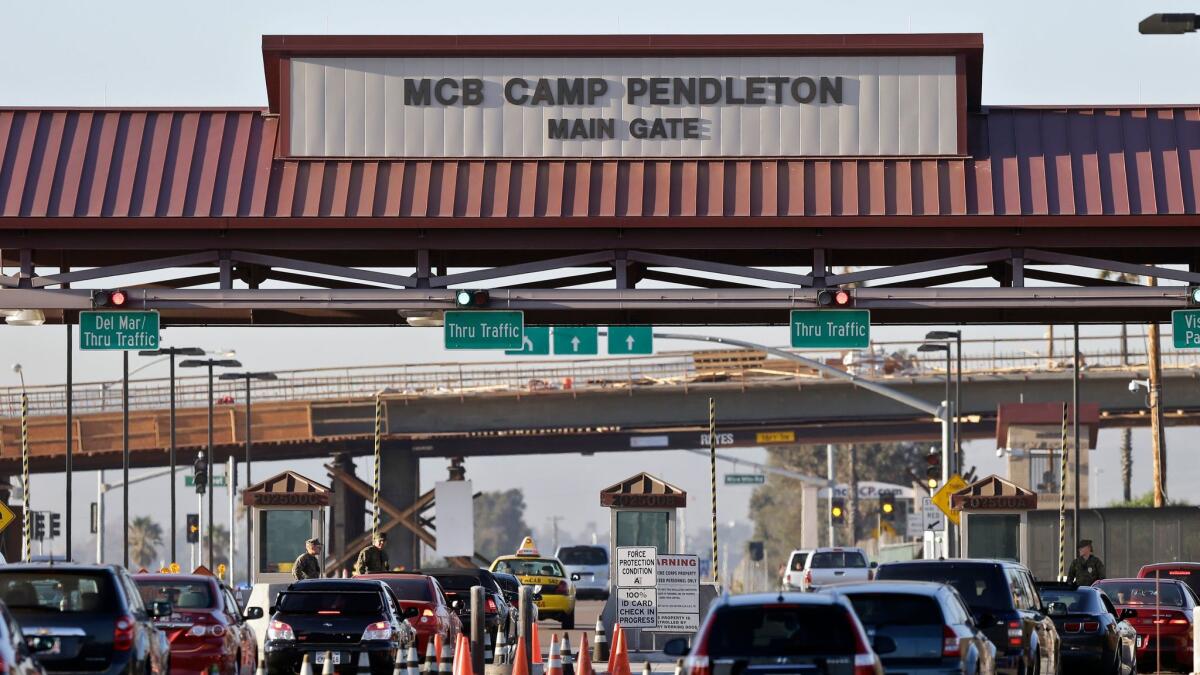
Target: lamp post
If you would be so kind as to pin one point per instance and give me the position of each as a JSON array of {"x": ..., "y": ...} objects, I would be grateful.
[
  {"x": 956, "y": 335},
  {"x": 210, "y": 364},
  {"x": 947, "y": 435},
  {"x": 1169, "y": 24},
  {"x": 170, "y": 353},
  {"x": 26, "y": 517},
  {"x": 247, "y": 377}
]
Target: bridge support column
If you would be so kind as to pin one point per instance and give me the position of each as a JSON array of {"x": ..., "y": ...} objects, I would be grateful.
[
  {"x": 809, "y": 510},
  {"x": 346, "y": 510},
  {"x": 399, "y": 484}
]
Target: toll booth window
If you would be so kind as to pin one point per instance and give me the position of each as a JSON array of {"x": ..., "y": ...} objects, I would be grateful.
[
  {"x": 643, "y": 528},
  {"x": 993, "y": 535},
  {"x": 281, "y": 537}
]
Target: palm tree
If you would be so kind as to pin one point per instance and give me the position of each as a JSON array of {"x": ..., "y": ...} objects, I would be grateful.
[{"x": 145, "y": 536}]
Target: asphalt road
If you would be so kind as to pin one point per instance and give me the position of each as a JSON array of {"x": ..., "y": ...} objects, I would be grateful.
[{"x": 586, "y": 613}]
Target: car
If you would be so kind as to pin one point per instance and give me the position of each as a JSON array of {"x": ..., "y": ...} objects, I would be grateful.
[
  {"x": 1187, "y": 572},
  {"x": 793, "y": 571},
  {"x": 423, "y": 593},
  {"x": 929, "y": 624},
  {"x": 339, "y": 617},
  {"x": 205, "y": 627},
  {"x": 1161, "y": 611},
  {"x": 835, "y": 565},
  {"x": 1095, "y": 639},
  {"x": 87, "y": 617},
  {"x": 587, "y": 567},
  {"x": 768, "y": 633},
  {"x": 456, "y": 583},
  {"x": 1004, "y": 604},
  {"x": 547, "y": 576}
]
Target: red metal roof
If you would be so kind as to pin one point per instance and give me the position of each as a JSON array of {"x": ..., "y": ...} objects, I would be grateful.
[{"x": 58, "y": 163}]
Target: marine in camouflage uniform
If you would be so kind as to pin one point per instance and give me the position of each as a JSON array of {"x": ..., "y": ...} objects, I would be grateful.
[
  {"x": 373, "y": 559},
  {"x": 1087, "y": 569},
  {"x": 307, "y": 566}
]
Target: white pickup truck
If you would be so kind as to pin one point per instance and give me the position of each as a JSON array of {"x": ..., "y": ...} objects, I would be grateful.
[{"x": 829, "y": 566}]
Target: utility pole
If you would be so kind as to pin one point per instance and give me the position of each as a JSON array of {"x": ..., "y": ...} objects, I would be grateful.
[
  {"x": 1157, "y": 439},
  {"x": 1127, "y": 464},
  {"x": 832, "y": 485},
  {"x": 852, "y": 497}
]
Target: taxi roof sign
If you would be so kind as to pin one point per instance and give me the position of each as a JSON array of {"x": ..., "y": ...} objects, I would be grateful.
[{"x": 527, "y": 547}]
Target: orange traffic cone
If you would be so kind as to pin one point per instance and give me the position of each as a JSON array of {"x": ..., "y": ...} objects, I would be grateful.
[
  {"x": 584, "y": 667},
  {"x": 619, "y": 659},
  {"x": 462, "y": 657},
  {"x": 536, "y": 647},
  {"x": 554, "y": 667},
  {"x": 519, "y": 667}
]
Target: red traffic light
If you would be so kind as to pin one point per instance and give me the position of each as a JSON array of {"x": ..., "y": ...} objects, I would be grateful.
[
  {"x": 117, "y": 298},
  {"x": 114, "y": 298},
  {"x": 834, "y": 297}
]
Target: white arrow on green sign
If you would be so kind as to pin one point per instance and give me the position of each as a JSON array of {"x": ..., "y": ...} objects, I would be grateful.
[
  {"x": 624, "y": 340},
  {"x": 118, "y": 331},
  {"x": 576, "y": 340},
  {"x": 831, "y": 328},
  {"x": 484, "y": 329},
  {"x": 536, "y": 342}
]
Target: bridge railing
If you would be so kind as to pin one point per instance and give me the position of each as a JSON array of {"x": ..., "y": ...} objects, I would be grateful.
[{"x": 520, "y": 376}]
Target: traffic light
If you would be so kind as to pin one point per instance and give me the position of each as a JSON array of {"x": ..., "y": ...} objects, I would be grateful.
[
  {"x": 110, "y": 299},
  {"x": 887, "y": 507},
  {"x": 933, "y": 470},
  {"x": 467, "y": 298},
  {"x": 55, "y": 525},
  {"x": 835, "y": 297},
  {"x": 755, "y": 548},
  {"x": 39, "y": 525},
  {"x": 1193, "y": 299},
  {"x": 200, "y": 474},
  {"x": 193, "y": 528},
  {"x": 837, "y": 509}
]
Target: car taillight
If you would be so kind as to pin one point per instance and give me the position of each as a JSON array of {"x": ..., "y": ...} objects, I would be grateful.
[
  {"x": 491, "y": 606},
  {"x": 1071, "y": 627},
  {"x": 278, "y": 630},
  {"x": 1015, "y": 634},
  {"x": 864, "y": 664},
  {"x": 1091, "y": 626},
  {"x": 427, "y": 612},
  {"x": 808, "y": 578},
  {"x": 950, "y": 644},
  {"x": 695, "y": 665},
  {"x": 562, "y": 588},
  {"x": 123, "y": 634},
  {"x": 380, "y": 630}
]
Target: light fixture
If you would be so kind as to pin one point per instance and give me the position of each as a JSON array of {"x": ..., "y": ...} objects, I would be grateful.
[
  {"x": 26, "y": 317},
  {"x": 421, "y": 319}
]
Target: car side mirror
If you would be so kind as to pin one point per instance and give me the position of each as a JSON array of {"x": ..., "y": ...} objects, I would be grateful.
[
  {"x": 159, "y": 609},
  {"x": 875, "y": 565},
  {"x": 883, "y": 644},
  {"x": 1056, "y": 609},
  {"x": 676, "y": 647},
  {"x": 411, "y": 612},
  {"x": 1127, "y": 613},
  {"x": 253, "y": 613}
]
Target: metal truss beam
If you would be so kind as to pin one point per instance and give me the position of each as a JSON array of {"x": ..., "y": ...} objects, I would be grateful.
[
  {"x": 981, "y": 258},
  {"x": 187, "y": 260},
  {"x": 688, "y": 280},
  {"x": 1073, "y": 279},
  {"x": 940, "y": 280},
  {"x": 1056, "y": 258},
  {"x": 566, "y": 282},
  {"x": 802, "y": 280},
  {"x": 581, "y": 260},
  {"x": 322, "y": 268}
]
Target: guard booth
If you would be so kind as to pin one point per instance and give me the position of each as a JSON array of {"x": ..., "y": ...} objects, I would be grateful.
[
  {"x": 995, "y": 518},
  {"x": 286, "y": 511}
]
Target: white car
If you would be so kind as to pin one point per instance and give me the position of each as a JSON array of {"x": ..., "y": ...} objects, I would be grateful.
[
  {"x": 837, "y": 565},
  {"x": 794, "y": 570},
  {"x": 587, "y": 567}
]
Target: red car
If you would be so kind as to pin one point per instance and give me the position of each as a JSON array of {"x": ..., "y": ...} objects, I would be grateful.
[
  {"x": 205, "y": 626},
  {"x": 435, "y": 616},
  {"x": 1161, "y": 611},
  {"x": 1187, "y": 572}
]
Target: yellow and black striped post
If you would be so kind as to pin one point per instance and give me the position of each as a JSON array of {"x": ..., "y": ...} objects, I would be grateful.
[
  {"x": 27, "y": 519},
  {"x": 712, "y": 465},
  {"x": 375, "y": 487},
  {"x": 1062, "y": 502}
]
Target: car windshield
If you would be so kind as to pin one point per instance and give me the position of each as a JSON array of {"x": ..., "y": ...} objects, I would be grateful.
[
  {"x": 1076, "y": 602},
  {"x": 531, "y": 567},
  {"x": 1142, "y": 593},
  {"x": 838, "y": 559},
  {"x": 181, "y": 594},
  {"x": 896, "y": 609},
  {"x": 54, "y": 591},
  {"x": 415, "y": 590},
  {"x": 781, "y": 630},
  {"x": 329, "y": 602},
  {"x": 1188, "y": 575},
  {"x": 982, "y": 587},
  {"x": 583, "y": 555}
]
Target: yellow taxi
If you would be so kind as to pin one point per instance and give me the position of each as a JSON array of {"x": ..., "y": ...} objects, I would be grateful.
[{"x": 557, "y": 593}]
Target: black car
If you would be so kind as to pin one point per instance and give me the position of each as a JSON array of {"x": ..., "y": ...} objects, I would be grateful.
[
  {"x": 456, "y": 584},
  {"x": 1005, "y": 604},
  {"x": 341, "y": 618},
  {"x": 85, "y": 618},
  {"x": 1095, "y": 639}
]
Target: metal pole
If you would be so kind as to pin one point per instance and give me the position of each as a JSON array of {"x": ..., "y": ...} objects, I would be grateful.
[
  {"x": 249, "y": 526},
  {"x": 125, "y": 454},
  {"x": 1075, "y": 423},
  {"x": 375, "y": 486},
  {"x": 958, "y": 453},
  {"x": 949, "y": 457},
  {"x": 26, "y": 514},
  {"x": 209, "y": 461},
  {"x": 174, "y": 523},
  {"x": 100, "y": 490},
  {"x": 946, "y": 433},
  {"x": 1158, "y": 440},
  {"x": 712, "y": 473},
  {"x": 832, "y": 486},
  {"x": 70, "y": 440},
  {"x": 1062, "y": 502},
  {"x": 525, "y": 615},
  {"x": 231, "y": 488},
  {"x": 477, "y": 630}
]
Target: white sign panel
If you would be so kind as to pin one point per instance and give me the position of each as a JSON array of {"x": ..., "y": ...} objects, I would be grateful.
[
  {"x": 455, "y": 504},
  {"x": 741, "y": 106},
  {"x": 637, "y": 607},
  {"x": 933, "y": 518},
  {"x": 636, "y": 566},
  {"x": 678, "y": 593}
]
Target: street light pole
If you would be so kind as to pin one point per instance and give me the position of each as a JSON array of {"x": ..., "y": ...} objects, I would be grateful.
[
  {"x": 949, "y": 545},
  {"x": 26, "y": 515},
  {"x": 210, "y": 364},
  {"x": 247, "y": 377}
]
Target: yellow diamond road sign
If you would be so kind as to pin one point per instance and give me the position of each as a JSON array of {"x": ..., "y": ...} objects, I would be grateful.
[
  {"x": 6, "y": 516},
  {"x": 942, "y": 496}
]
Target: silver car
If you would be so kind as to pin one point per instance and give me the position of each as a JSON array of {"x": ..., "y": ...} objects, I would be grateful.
[
  {"x": 928, "y": 624},
  {"x": 587, "y": 566}
]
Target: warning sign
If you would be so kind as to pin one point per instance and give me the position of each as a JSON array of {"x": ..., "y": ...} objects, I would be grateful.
[
  {"x": 636, "y": 566},
  {"x": 637, "y": 607},
  {"x": 678, "y": 593}
]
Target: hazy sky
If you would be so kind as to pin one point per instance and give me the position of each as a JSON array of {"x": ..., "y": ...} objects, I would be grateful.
[{"x": 129, "y": 53}]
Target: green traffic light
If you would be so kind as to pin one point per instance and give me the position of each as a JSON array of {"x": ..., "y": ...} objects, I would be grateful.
[
  {"x": 1196, "y": 295},
  {"x": 463, "y": 298}
]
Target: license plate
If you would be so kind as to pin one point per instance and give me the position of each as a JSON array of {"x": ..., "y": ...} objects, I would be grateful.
[{"x": 337, "y": 658}]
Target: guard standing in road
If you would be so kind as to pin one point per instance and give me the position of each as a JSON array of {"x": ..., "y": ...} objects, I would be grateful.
[
  {"x": 308, "y": 566},
  {"x": 1087, "y": 569},
  {"x": 373, "y": 559}
]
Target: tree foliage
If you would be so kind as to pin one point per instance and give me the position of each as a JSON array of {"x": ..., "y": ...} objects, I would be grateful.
[
  {"x": 1145, "y": 501},
  {"x": 499, "y": 522},
  {"x": 145, "y": 536}
]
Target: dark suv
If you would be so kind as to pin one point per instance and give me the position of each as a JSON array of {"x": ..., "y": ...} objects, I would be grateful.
[
  {"x": 86, "y": 617},
  {"x": 456, "y": 584},
  {"x": 338, "y": 619},
  {"x": 1006, "y": 606}
]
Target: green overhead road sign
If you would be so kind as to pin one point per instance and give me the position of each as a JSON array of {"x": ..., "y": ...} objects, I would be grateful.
[
  {"x": 630, "y": 340},
  {"x": 535, "y": 343},
  {"x": 831, "y": 328},
  {"x": 745, "y": 479},
  {"x": 484, "y": 329},
  {"x": 1185, "y": 328},
  {"x": 576, "y": 340},
  {"x": 217, "y": 480},
  {"x": 118, "y": 331}
]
